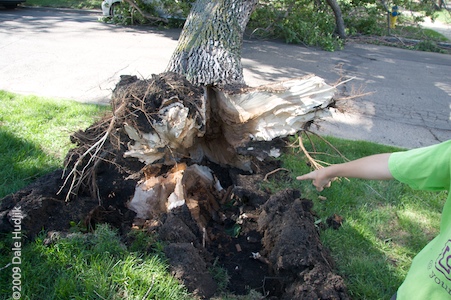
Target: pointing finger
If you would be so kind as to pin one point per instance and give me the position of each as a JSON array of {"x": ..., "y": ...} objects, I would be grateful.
[{"x": 305, "y": 177}]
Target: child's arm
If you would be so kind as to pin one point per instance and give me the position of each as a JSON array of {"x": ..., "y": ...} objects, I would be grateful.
[{"x": 374, "y": 167}]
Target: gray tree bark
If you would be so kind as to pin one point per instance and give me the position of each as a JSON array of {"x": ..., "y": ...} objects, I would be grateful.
[
  {"x": 209, "y": 47},
  {"x": 339, "y": 23}
]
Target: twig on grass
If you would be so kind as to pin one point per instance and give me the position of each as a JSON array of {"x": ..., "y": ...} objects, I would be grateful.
[
  {"x": 315, "y": 163},
  {"x": 149, "y": 289},
  {"x": 273, "y": 172}
]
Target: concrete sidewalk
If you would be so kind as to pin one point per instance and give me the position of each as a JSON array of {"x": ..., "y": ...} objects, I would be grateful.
[{"x": 66, "y": 54}]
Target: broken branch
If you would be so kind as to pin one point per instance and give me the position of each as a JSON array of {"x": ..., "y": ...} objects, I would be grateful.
[{"x": 146, "y": 15}]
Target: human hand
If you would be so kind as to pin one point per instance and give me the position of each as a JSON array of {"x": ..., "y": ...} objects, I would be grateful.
[{"x": 320, "y": 178}]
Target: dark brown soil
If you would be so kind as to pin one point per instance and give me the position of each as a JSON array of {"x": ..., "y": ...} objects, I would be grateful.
[{"x": 266, "y": 241}]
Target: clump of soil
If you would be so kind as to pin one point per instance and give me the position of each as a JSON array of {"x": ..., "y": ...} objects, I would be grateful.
[{"x": 266, "y": 242}]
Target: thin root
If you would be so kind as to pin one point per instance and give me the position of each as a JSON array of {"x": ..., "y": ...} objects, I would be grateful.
[
  {"x": 273, "y": 172},
  {"x": 96, "y": 154}
]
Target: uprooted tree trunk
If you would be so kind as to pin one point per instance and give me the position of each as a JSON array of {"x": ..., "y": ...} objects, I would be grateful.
[
  {"x": 222, "y": 117},
  {"x": 180, "y": 127},
  {"x": 228, "y": 115},
  {"x": 209, "y": 47}
]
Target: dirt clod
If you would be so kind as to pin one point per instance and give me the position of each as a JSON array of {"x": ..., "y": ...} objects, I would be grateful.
[
  {"x": 189, "y": 266},
  {"x": 335, "y": 221}
]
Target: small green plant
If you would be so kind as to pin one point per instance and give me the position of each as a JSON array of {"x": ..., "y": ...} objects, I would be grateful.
[
  {"x": 76, "y": 227},
  {"x": 428, "y": 46},
  {"x": 296, "y": 22},
  {"x": 252, "y": 295},
  {"x": 221, "y": 277},
  {"x": 443, "y": 15}
]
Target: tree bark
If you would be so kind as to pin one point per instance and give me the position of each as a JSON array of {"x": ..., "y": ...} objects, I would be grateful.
[
  {"x": 209, "y": 47},
  {"x": 339, "y": 23}
]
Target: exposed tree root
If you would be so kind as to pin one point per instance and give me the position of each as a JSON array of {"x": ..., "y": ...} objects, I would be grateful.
[
  {"x": 273, "y": 172},
  {"x": 85, "y": 171},
  {"x": 315, "y": 163}
]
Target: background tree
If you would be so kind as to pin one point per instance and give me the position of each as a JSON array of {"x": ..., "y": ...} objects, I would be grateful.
[
  {"x": 323, "y": 24},
  {"x": 339, "y": 22}
]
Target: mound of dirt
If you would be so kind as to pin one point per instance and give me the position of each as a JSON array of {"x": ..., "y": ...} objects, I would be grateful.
[{"x": 266, "y": 242}]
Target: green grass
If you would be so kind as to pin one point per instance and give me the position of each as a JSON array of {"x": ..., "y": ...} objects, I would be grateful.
[
  {"x": 416, "y": 33},
  {"x": 443, "y": 16},
  {"x": 77, "y": 4},
  {"x": 91, "y": 266},
  {"x": 386, "y": 222},
  {"x": 34, "y": 136}
]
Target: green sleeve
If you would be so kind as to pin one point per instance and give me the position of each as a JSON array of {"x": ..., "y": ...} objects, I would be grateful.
[{"x": 427, "y": 168}]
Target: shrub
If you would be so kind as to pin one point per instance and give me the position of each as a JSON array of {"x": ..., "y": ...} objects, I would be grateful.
[{"x": 300, "y": 22}]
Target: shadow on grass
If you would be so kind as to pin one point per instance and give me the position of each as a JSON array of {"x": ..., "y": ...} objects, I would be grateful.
[
  {"x": 21, "y": 162},
  {"x": 369, "y": 273}
]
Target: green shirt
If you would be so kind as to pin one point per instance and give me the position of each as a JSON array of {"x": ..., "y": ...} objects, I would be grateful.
[{"x": 428, "y": 168}]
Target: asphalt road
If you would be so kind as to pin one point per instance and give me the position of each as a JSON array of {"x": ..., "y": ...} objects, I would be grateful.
[{"x": 71, "y": 55}]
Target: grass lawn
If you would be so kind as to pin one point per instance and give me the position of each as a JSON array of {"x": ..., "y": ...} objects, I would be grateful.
[
  {"x": 386, "y": 223},
  {"x": 91, "y": 266},
  {"x": 34, "y": 136}
]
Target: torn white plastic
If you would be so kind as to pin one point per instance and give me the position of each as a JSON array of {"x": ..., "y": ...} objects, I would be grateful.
[
  {"x": 173, "y": 130},
  {"x": 259, "y": 114},
  {"x": 275, "y": 110},
  {"x": 160, "y": 194}
]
